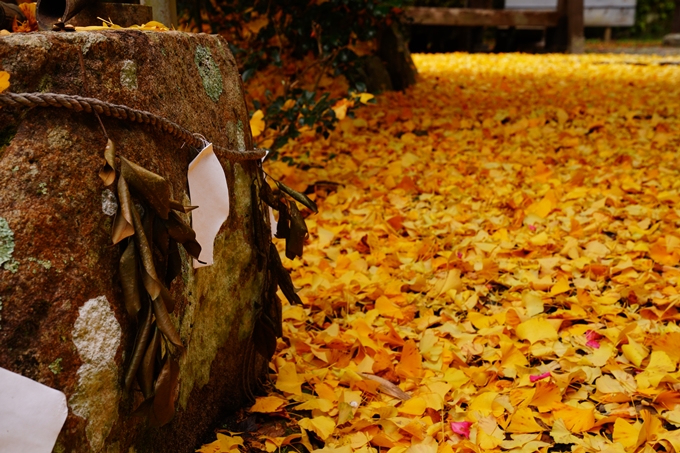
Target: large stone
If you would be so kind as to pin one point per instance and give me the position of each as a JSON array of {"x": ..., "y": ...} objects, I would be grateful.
[{"x": 63, "y": 321}]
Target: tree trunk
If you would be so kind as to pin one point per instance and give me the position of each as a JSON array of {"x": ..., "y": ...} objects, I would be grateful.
[
  {"x": 64, "y": 321},
  {"x": 395, "y": 54}
]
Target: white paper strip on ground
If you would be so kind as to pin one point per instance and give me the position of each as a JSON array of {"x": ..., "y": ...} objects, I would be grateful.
[{"x": 31, "y": 414}]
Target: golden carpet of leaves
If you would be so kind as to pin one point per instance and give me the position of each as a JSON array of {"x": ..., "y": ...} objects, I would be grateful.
[{"x": 502, "y": 245}]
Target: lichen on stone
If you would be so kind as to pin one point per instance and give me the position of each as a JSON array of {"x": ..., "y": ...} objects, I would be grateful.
[
  {"x": 55, "y": 367},
  {"x": 236, "y": 135},
  {"x": 6, "y": 242},
  {"x": 209, "y": 72},
  {"x": 59, "y": 138},
  {"x": 46, "y": 264},
  {"x": 97, "y": 335},
  {"x": 89, "y": 39},
  {"x": 128, "y": 75},
  {"x": 109, "y": 203}
]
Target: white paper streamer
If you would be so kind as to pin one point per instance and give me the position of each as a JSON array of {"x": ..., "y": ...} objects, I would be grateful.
[
  {"x": 209, "y": 191},
  {"x": 31, "y": 414}
]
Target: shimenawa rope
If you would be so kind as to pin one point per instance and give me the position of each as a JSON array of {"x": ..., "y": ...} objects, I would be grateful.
[{"x": 83, "y": 104}]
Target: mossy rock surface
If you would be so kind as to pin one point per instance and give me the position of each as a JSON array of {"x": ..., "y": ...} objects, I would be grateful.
[{"x": 62, "y": 319}]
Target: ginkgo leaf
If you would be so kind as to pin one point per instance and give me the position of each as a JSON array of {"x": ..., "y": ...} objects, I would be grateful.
[
  {"x": 414, "y": 406},
  {"x": 536, "y": 329},
  {"x": 365, "y": 97},
  {"x": 634, "y": 351},
  {"x": 410, "y": 364},
  {"x": 288, "y": 380},
  {"x": 626, "y": 433},
  {"x": 4, "y": 80},
  {"x": 223, "y": 444},
  {"x": 523, "y": 421},
  {"x": 575, "y": 419},
  {"x": 340, "y": 108},
  {"x": 268, "y": 404},
  {"x": 322, "y": 426},
  {"x": 257, "y": 123}
]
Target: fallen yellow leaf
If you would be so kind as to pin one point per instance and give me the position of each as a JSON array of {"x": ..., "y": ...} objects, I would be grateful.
[{"x": 257, "y": 123}]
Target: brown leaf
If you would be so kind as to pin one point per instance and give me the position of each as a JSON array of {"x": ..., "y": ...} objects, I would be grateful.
[
  {"x": 387, "y": 387},
  {"x": 146, "y": 369},
  {"x": 183, "y": 233},
  {"x": 298, "y": 233},
  {"x": 167, "y": 391},
  {"x": 177, "y": 206},
  {"x": 122, "y": 224},
  {"x": 300, "y": 197},
  {"x": 129, "y": 278},
  {"x": 141, "y": 343},
  {"x": 108, "y": 171},
  {"x": 283, "y": 225},
  {"x": 283, "y": 277},
  {"x": 264, "y": 336},
  {"x": 149, "y": 277},
  {"x": 154, "y": 188},
  {"x": 164, "y": 323}
]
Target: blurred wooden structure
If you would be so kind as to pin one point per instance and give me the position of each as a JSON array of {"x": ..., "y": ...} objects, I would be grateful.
[{"x": 564, "y": 24}]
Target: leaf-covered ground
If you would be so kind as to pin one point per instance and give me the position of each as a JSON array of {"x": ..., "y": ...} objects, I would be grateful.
[{"x": 501, "y": 243}]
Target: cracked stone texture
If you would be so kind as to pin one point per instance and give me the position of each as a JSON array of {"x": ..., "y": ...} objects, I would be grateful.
[{"x": 51, "y": 201}]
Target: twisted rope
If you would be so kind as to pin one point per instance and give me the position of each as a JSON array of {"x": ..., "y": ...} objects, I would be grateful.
[{"x": 89, "y": 105}]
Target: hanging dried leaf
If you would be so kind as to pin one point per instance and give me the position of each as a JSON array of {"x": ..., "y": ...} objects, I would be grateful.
[
  {"x": 141, "y": 343},
  {"x": 298, "y": 233},
  {"x": 164, "y": 322},
  {"x": 276, "y": 313},
  {"x": 283, "y": 277},
  {"x": 167, "y": 391},
  {"x": 177, "y": 206},
  {"x": 297, "y": 196},
  {"x": 264, "y": 337},
  {"x": 272, "y": 198},
  {"x": 122, "y": 224},
  {"x": 146, "y": 369},
  {"x": 283, "y": 226},
  {"x": 129, "y": 278},
  {"x": 108, "y": 171},
  {"x": 161, "y": 241},
  {"x": 154, "y": 188},
  {"x": 262, "y": 237},
  {"x": 149, "y": 277},
  {"x": 183, "y": 233}
]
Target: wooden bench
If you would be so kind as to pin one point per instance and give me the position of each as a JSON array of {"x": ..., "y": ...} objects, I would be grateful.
[
  {"x": 596, "y": 13},
  {"x": 565, "y": 21}
]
